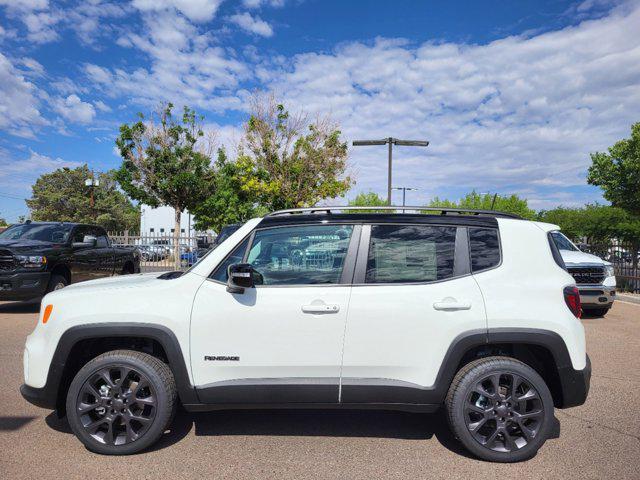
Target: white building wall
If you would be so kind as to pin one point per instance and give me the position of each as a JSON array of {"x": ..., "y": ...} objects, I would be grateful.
[{"x": 158, "y": 221}]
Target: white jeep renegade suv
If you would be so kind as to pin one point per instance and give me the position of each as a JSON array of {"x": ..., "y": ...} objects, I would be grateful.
[{"x": 471, "y": 311}]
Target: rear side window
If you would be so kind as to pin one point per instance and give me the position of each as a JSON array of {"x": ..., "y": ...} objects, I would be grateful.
[
  {"x": 410, "y": 253},
  {"x": 484, "y": 247}
]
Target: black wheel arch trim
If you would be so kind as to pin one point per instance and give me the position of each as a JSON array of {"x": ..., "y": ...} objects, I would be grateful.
[
  {"x": 574, "y": 384},
  {"x": 47, "y": 396}
]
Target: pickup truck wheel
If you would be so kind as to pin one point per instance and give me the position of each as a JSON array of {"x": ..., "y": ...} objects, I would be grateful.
[
  {"x": 56, "y": 282},
  {"x": 500, "y": 409},
  {"x": 121, "y": 402}
]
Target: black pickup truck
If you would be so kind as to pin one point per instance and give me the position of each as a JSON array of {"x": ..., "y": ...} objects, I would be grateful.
[{"x": 38, "y": 257}]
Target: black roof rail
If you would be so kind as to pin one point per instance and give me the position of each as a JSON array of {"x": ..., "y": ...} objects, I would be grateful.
[{"x": 393, "y": 209}]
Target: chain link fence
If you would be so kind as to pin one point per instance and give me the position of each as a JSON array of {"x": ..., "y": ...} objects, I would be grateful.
[
  {"x": 625, "y": 260},
  {"x": 157, "y": 251}
]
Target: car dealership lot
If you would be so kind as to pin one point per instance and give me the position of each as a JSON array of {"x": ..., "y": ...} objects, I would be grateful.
[{"x": 599, "y": 439}]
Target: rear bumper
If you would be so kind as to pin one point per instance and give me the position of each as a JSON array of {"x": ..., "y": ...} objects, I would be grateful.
[
  {"x": 23, "y": 285},
  {"x": 596, "y": 296},
  {"x": 575, "y": 385}
]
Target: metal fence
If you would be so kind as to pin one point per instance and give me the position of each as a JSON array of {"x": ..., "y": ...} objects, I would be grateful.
[
  {"x": 157, "y": 251},
  {"x": 625, "y": 263}
]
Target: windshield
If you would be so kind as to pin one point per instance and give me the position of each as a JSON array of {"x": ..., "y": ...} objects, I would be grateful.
[
  {"x": 563, "y": 243},
  {"x": 54, "y": 233}
]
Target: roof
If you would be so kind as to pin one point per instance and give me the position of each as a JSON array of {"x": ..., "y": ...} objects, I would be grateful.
[{"x": 439, "y": 216}]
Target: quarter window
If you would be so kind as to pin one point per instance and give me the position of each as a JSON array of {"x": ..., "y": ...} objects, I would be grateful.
[
  {"x": 484, "y": 246},
  {"x": 302, "y": 255},
  {"x": 410, "y": 253}
]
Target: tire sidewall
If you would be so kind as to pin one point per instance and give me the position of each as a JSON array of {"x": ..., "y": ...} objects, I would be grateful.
[
  {"x": 55, "y": 281},
  {"x": 163, "y": 410},
  {"x": 458, "y": 421}
]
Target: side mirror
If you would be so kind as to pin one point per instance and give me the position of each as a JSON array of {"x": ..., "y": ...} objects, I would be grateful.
[{"x": 239, "y": 277}]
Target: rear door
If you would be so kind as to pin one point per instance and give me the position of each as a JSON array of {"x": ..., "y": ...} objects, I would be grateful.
[
  {"x": 412, "y": 296},
  {"x": 106, "y": 263}
]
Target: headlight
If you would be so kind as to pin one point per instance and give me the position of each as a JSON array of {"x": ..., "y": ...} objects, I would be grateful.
[
  {"x": 609, "y": 271},
  {"x": 31, "y": 261}
]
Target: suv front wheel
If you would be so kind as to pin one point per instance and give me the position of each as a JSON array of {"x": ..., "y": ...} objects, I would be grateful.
[
  {"x": 121, "y": 402},
  {"x": 500, "y": 409}
]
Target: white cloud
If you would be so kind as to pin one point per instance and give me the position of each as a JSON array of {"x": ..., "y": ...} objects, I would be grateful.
[
  {"x": 186, "y": 66},
  {"x": 260, "y": 3},
  {"x": 19, "y": 103},
  {"x": 74, "y": 109},
  {"x": 252, "y": 24},
  {"x": 518, "y": 111},
  {"x": 195, "y": 10},
  {"x": 17, "y": 174},
  {"x": 103, "y": 107}
]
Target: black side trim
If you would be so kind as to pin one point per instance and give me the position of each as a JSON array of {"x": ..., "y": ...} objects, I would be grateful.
[
  {"x": 46, "y": 396},
  {"x": 402, "y": 407},
  {"x": 261, "y": 391},
  {"x": 575, "y": 385}
]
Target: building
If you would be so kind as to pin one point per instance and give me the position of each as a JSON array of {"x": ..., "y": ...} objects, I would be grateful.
[{"x": 161, "y": 221}]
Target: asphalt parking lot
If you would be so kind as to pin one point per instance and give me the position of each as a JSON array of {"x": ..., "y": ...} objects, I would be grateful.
[{"x": 600, "y": 439}]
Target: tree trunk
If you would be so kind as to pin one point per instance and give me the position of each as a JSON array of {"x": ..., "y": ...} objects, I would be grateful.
[{"x": 176, "y": 241}]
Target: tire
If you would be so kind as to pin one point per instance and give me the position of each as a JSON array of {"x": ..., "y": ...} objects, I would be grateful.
[
  {"x": 597, "y": 312},
  {"x": 56, "y": 282},
  {"x": 490, "y": 425},
  {"x": 115, "y": 417},
  {"x": 128, "y": 269}
]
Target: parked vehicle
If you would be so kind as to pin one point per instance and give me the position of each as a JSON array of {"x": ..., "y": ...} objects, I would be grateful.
[
  {"x": 225, "y": 232},
  {"x": 39, "y": 257},
  {"x": 595, "y": 277},
  {"x": 307, "y": 308},
  {"x": 153, "y": 253}
]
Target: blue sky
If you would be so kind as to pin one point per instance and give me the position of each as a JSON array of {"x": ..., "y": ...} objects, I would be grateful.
[{"x": 512, "y": 95}]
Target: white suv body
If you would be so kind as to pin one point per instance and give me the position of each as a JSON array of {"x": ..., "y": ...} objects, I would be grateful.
[{"x": 340, "y": 310}]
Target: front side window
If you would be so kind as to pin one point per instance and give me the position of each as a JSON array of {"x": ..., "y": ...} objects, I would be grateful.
[
  {"x": 301, "y": 255},
  {"x": 484, "y": 247},
  {"x": 221, "y": 272},
  {"x": 410, "y": 253}
]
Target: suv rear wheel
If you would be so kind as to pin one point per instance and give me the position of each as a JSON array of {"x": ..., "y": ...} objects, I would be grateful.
[
  {"x": 500, "y": 409},
  {"x": 121, "y": 402}
]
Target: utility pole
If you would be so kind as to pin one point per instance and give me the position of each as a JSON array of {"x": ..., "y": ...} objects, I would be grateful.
[
  {"x": 391, "y": 142},
  {"x": 404, "y": 192}
]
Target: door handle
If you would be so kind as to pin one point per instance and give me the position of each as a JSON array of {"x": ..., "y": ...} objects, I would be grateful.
[
  {"x": 451, "y": 304},
  {"x": 321, "y": 308}
]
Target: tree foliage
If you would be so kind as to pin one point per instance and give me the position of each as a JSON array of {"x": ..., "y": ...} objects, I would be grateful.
[
  {"x": 62, "y": 196},
  {"x": 163, "y": 164},
  {"x": 287, "y": 161},
  {"x": 594, "y": 223},
  {"x": 229, "y": 203},
  {"x": 618, "y": 172},
  {"x": 487, "y": 201},
  {"x": 3, "y": 222},
  {"x": 368, "y": 199}
]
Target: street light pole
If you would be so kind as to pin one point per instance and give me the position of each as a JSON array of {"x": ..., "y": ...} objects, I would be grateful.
[
  {"x": 92, "y": 183},
  {"x": 391, "y": 142},
  {"x": 404, "y": 192}
]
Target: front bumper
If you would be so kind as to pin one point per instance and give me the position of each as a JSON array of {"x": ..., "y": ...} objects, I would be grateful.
[
  {"x": 574, "y": 385},
  {"x": 596, "y": 296},
  {"x": 23, "y": 285}
]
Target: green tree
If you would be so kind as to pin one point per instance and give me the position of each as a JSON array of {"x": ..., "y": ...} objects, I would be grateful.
[
  {"x": 618, "y": 172},
  {"x": 284, "y": 167},
  {"x": 163, "y": 165},
  {"x": 229, "y": 203},
  {"x": 368, "y": 199},
  {"x": 487, "y": 201},
  {"x": 3, "y": 222},
  {"x": 62, "y": 196}
]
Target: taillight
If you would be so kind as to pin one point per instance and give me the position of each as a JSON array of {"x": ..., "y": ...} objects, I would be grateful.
[{"x": 572, "y": 299}]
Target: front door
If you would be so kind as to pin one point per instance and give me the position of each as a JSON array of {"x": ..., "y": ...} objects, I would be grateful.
[
  {"x": 412, "y": 296},
  {"x": 280, "y": 342}
]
